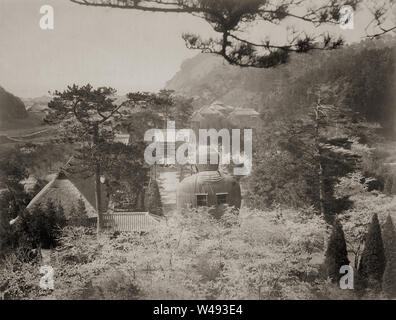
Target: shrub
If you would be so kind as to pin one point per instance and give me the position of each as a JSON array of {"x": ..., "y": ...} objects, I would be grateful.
[
  {"x": 40, "y": 227},
  {"x": 336, "y": 253},
  {"x": 389, "y": 278},
  {"x": 77, "y": 245},
  {"x": 152, "y": 201},
  {"x": 254, "y": 255},
  {"x": 78, "y": 215},
  {"x": 372, "y": 262},
  {"x": 389, "y": 237},
  {"x": 12, "y": 204}
]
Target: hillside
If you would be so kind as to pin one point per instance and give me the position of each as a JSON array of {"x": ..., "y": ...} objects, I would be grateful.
[
  {"x": 38, "y": 104},
  {"x": 208, "y": 78},
  {"x": 11, "y": 108},
  {"x": 361, "y": 77}
]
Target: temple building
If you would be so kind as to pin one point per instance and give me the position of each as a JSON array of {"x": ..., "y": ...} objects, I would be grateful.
[{"x": 209, "y": 187}]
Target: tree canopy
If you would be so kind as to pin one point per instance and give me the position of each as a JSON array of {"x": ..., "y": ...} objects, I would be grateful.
[{"x": 230, "y": 18}]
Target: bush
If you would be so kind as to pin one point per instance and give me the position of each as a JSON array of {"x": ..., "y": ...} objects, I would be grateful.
[
  {"x": 389, "y": 238},
  {"x": 40, "y": 227},
  {"x": 78, "y": 215},
  {"x": 372, "y": 263},
  {"x": 12, "y": 204},
  {"x": 336, "y": 253},
  {"x": 389, "y": 279},
  {"x": 152, "y": 201},
  {"x": 77, "y": 245}
]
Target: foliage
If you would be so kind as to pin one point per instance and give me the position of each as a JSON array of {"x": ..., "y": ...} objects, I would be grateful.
[
  {"x": 40, "y": 227},
  {"x": 19, "y": 276},
  {"x": 254, "y": 255},
  {"x": 13, "y": 199},
  {"x": 305, "y": 157},
  {"x": 78, "y": 215},
  {"x": 275, "y": 180},
  {"x": 153, "y": 110},
  {"x": 40, "y": 159},
  {"x": 389, "y": 239},
  {"x": 91, "y": 117},
  {"x": 230, "y": 18},
  {"x": 126, "y": 173},
  {"x": 359, "y": 75},
  {"x": 85, "y": 115},
  {"x": 388, "y": 281},
  {"x": 356, "y": 220},
  {"x": 153, "y": 203},
  {"x": 285, "y": 156},
  {"x": 372, "y": 262},
  {"x": 274, "y": 254},
  {"x": 336, "y": 253}
]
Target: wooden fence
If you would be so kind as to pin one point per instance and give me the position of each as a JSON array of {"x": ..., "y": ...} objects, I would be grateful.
[{"x": 129, "y": 221}]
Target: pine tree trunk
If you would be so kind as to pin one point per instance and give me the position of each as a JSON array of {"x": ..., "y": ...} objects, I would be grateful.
[
  {"x": 98, "y": 197},
  {"x": 319, "y": 164},
  {"x": 321, "y": 189},
  {"x": 98, "y": 193}
]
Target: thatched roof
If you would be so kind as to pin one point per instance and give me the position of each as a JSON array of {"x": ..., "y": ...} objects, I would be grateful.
[{"x": 67, "y": 191}]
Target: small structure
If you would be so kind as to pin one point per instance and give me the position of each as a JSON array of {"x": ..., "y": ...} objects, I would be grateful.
[
  {"x": 67, "y": 191},
  {"x": 209, "y": 188},
  {"x": 126, "y": 221},
  {"x": 213, "y": 116},
  {"x": 244, "y": 118},
  {"x": 219, "y": 116}
]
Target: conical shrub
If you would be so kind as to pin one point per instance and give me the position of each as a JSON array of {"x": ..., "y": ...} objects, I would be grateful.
[
  {"x": 153, "y": 201},
  {"x": 389, "y": 278},
  {"x": 372, "y": 262},
  {"x": 336, "y": 253}
]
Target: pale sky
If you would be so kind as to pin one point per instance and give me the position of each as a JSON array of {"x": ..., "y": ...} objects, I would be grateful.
[{"x": 125, "y": 49}]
